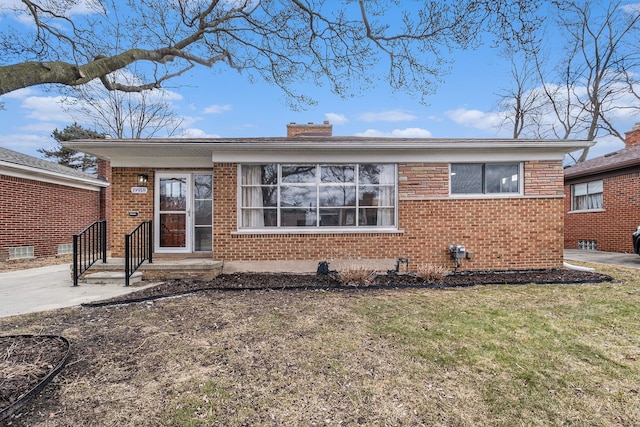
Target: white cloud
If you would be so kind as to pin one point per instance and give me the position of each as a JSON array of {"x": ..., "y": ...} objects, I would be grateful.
[
  {"x": 27, "y": 143},
  {"x": 336, "y": 119},
  {"x": 606, "y": 144},
  {"x": 397, "y": 133},
  {"x": 196, "y": 133},
  {"x": 411, "y": 133},
  {"x": 41, "y": 127},
  {"x": 387, "y": 116},
  {"x": 45, "y": 108},
  {"x": 631, "y": 8},
  {"x": 474, "y": 118},
  {"x": 19, "y": 94},
  {"x": 217, "y": 109}
]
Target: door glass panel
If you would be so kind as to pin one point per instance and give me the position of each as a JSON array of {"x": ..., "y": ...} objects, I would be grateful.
[
  {"x": 202, "y": 239},
  {"x": 202, "y": 187},
  {"x": 173, "y": 194},
  {"x": 173, "y": 230},
  {"x": 202, "y": 213}
]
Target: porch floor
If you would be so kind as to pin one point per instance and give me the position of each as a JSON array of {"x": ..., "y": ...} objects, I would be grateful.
[{"x": 165, "y": 268}]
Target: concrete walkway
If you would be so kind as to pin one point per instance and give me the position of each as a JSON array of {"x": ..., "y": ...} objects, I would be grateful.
[{"x": 49, "y": 288}]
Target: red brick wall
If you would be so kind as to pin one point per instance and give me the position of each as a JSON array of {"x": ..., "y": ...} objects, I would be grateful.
[
  {"x": 124, "y": 201},
  {"x": 296, "y": 129},
  {"x": 104, "y": 173},
  {"x": 612, "y": 227},
  {"x": 503, "y": 233},
  {"x": 43, "y": 215},
  {"x": 632, "y": 137}
]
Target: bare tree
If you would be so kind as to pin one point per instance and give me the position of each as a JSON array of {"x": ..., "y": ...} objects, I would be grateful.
[
  {"x": 521, "y": 105},
  {"x": 589, "y": 85},
  {"x": 600, "y": 42},
  {"x": 119, "y": 114},
  {"x": 281, "y": 41}
]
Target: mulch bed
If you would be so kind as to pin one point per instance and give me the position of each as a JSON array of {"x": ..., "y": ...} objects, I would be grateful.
[{"x": 264, "y": 281}]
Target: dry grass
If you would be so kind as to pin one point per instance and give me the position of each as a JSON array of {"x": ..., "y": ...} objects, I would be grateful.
[
  {"x": 480, "y": 356},
  {"x": 21, "y": 264},
  {"x": 356, "y": 275},
  {"x": 431, "y": 273}
]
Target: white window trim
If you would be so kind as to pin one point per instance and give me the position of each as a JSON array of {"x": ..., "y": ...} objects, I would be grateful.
[
  {"x": 315, "y": 229},
  {"x": 572, "y": 190}
]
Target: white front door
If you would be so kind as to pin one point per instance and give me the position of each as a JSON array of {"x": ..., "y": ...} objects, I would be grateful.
[{"x": 183, "y": 212}]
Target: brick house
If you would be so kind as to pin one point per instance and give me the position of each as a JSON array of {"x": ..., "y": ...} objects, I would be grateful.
[
  {"x": 42, "y": 205},
  {"x": 602, "y": 203},
  {"x": 312, "y": 196}
]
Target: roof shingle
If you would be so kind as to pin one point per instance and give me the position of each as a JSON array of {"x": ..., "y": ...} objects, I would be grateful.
[{"x": 14, "y": 157}]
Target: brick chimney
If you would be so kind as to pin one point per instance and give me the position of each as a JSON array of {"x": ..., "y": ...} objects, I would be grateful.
[
  {"x": 309, "y": 129},
  {"x": 632, "y": 138}
]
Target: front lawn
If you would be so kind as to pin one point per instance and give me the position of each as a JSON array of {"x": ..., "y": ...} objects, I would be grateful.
[{"x": 476, "y": 356}]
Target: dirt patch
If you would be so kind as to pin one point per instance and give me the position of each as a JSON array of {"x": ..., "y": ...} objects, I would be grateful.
[{"x": 25, "y": 361}]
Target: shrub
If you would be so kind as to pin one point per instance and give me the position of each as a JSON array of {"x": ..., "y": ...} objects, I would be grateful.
[
  {"x": 431, "y": 273},
  {"x": 356, "y": 275}
]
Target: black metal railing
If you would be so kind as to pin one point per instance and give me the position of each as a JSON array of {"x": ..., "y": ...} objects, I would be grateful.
[
  {"x": 89, "y": 246},
  {"x": 138, "y": 247}
]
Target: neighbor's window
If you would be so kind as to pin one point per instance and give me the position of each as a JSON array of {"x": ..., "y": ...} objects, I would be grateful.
[
  {"x": 315, "y": 195},
  {"x": 19, "y": 252},
  {"x": 485, "y": 178},
  {"x": 587, "y": 195}
]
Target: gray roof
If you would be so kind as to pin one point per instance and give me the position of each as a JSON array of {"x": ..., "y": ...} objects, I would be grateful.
[
  {"x": 621, "y": 159},
  {"x": 20, "y": 159}
]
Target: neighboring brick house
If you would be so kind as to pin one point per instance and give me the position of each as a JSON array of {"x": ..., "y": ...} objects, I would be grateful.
[
  {"x": 312, "y": 196},
  {"x": 42, "y": 205},
  {"x": 602, "y": 203}
]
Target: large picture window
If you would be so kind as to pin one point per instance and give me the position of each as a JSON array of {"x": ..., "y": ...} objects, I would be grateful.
[
  {"x": 485, "y": 178},
  {"x": 586, "y": 196},
  {"x": 316, "y": 195}
]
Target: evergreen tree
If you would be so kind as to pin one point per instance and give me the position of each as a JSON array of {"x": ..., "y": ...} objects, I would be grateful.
[{"x": 68, "y": 157}]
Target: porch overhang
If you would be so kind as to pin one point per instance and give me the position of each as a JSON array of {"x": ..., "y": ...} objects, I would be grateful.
[{"x": 194, "y": 153}]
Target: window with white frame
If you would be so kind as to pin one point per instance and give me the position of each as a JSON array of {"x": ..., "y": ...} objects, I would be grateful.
[
  {"x": 485, "y": 178},
  {"x": 317, "y": 195},
  {"x": 586, "y": 196}
]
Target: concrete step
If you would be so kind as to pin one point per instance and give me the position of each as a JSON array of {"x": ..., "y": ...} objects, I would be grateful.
[{"x": 110, "y": 278}]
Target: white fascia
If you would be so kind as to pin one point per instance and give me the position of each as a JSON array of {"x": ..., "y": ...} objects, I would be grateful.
[{"x": 26, "y": 172}]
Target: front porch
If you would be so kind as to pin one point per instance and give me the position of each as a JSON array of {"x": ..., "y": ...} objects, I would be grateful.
[{"x": 160, "y": 269}]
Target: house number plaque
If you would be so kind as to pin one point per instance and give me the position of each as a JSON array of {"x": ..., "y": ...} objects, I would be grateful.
[{"x": 139, "y": 190}]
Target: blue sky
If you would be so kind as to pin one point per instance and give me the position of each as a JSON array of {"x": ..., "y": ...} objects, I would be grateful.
[{"x": 226, "y": 104}]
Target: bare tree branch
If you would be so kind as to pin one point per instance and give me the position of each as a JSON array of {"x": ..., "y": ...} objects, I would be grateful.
[{"x": 281, "y": 41}]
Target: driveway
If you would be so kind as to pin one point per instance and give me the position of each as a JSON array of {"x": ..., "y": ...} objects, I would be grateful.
[
  {"x": 599, "y": 257},
  {"x": 49, "y": 288}
]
